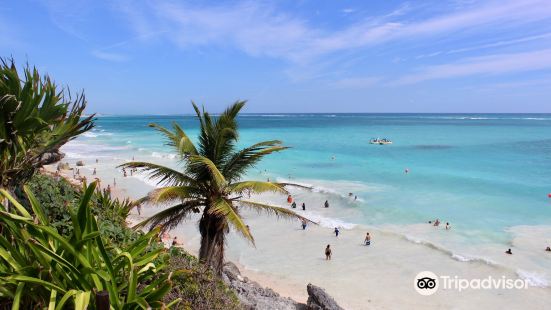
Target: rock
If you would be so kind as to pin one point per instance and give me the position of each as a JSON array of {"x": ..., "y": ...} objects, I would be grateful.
[
  {"x": 318, "y": 299},
  {"x": 63, "y": 166},
  {"x": 51, "y": 157},
  {"x": 80, "y": 163},
  {"x": 253, "y": 296}
]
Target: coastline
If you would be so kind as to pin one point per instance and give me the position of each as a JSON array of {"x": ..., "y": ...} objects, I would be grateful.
[{"x": 286, "y": 259}]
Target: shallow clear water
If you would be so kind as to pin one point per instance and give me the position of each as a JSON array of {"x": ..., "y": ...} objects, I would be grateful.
[{"x": 483, "y": 173}]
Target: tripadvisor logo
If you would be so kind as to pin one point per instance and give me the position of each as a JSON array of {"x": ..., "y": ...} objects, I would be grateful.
[{"x": 426, "y": 283}]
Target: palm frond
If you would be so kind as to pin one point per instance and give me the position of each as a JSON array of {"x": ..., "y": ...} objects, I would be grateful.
[
  {"x": 161, "y": 174},
  {"x": 183, "y": 143},
  {"x": 223, "y": 208},
  {"x": 248, "y": 157},
  {"x": 273, "y": 210},
  {"x": 171, "y": 193},
  {"x": 200, "y": 164},
  {"x": 256, "y": 187},
  {"x": 170, "y": 218}
]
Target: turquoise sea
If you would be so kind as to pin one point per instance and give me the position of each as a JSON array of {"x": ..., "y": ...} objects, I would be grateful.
[{"x": 484, "y": 173}]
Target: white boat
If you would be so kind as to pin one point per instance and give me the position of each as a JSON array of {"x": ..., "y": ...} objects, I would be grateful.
[{"x": 383, "y": 141}]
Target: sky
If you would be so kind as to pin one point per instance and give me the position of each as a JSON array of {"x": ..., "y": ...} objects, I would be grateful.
[{"x": 293, "y": 56}]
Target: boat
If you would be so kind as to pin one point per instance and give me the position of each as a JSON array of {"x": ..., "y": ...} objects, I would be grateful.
[{"x": 383, "y": 141}]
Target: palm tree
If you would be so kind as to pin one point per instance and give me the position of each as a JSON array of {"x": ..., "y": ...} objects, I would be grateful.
[
  {"x": 211, "y": 182},
  {"x": 36, "y": 119}
]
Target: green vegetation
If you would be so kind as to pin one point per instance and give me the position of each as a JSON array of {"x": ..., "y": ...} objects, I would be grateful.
[
  {"x": 211, "y": 181},
  {"x": 36, "y": 120},
  {"x": 41, "y": 267}
]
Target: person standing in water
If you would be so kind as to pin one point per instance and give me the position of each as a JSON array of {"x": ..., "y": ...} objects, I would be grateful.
[
  {"x": 294, "y": 205},
  {"x": 336, "y": 231},
  {"x": 328, "y": 252},
  {"x": 326, "y": 204},
  {"x": 289, "y": 199},
  {"x": 367, "y": 240},
  {"x": 303, "y": 206},
  {"x": 304, "y": 224}
]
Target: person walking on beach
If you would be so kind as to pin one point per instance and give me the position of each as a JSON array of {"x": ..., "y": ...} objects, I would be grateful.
[
  {"x": 328, "y": 252},
  {"x": 336, "y": 231},
  {"x": 94, "y": 172},
  {"x": 303, "y": 206},
  {"x": 294, "y": 205},
  {"x": 367, "y": 240},
  {"x": 304, "y": 224},
  {"x": 326, "y": 204}
]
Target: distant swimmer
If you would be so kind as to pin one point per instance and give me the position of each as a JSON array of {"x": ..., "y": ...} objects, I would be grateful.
[
  {"x": 436, "y": 223},
  {"x": 367, "y": 240},
  {"x": 333, "y": 157},
  {"x": 355, "y": 198},
  {"x": 509, "y": 251},
  {"x": 548, "y": 249},
  {"x": 94, "y": 172},
  {"x": 303, "y": 206},
  {"x": 326, "y": 204},
  {"x": 350, "y": 194},
  {"x": 294, "y": 205},
  {"x": 336, "y": 231},
  {"x": 406, "y": 171},
  {"x": 448, "y": 226},
  {"x": 304, "y": 223},
  {"x": 328, "y": 252}
]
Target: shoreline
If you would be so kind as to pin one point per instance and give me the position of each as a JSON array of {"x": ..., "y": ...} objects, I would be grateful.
[{"x": 381, "y": 276}]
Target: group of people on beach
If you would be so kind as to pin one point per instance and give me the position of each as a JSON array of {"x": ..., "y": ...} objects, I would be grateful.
[
  {"x": 304, "y": 223},
  {"x": 436, "y": 223}
]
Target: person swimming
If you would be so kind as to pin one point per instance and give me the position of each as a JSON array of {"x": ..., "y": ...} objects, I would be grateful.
[
  {"x": 367, "y": 240},
  {"x": 336, "y": 231},
  {"x": 436, "y": 223},
  {"x": 328, "y": 252},
  {"x": 448, "y": 226},
  {"x": 294, "y": 205},
  {"x": 303, "y": 206},
  {"x": 326, "y": 204},
  {"x": 509, "y": 251}
]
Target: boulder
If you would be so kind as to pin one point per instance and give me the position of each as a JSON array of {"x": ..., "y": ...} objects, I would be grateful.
[
  {"x": 253, "y": 296},
  {"x": 80, "y": 163},
  {"x": 318, "y": 299},
  {"x": 63, "y": 166}
]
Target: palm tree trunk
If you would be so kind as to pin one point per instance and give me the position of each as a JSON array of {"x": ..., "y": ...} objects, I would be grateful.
[{"x": 213, "y": 232}]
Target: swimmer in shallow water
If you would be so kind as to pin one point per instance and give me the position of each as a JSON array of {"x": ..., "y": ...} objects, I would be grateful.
[
  {"x": 367, "y": 240},
  {"x": 509, "y": 251}
]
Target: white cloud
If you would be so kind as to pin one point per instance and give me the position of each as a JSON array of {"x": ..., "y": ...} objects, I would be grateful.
[
  {"x": 260, "y": 30},
  {"x": 109, "y": 56},
  {"x": 486, "y": 65}
]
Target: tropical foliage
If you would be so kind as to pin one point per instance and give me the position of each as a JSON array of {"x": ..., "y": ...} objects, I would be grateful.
[
  {"x": 210, "y": 182},
  {"x": 36, "y": 119},
  {"x": 40, "y": 268}
]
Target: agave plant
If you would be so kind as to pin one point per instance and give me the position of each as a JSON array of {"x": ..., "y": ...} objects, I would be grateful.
[
  {"x": 211, "y": 182},
  {"x": 36, "y": 119},
  {"x": 40, "y": 268}
]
